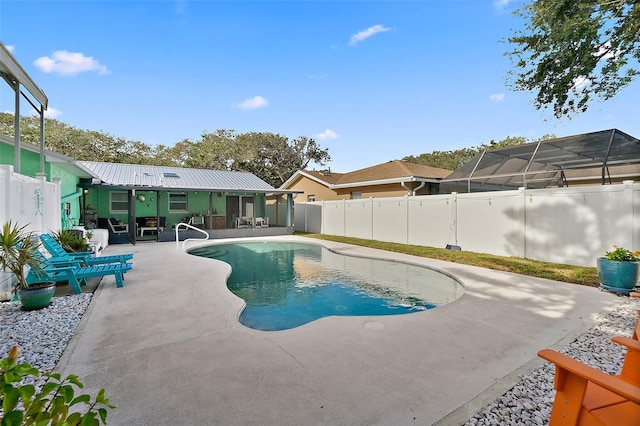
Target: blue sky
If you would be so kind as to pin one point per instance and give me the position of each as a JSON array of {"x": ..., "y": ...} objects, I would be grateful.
[{"x": 372, "y": 81}]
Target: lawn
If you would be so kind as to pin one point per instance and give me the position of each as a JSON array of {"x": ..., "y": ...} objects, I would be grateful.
[{"x": 554, "y": 271}]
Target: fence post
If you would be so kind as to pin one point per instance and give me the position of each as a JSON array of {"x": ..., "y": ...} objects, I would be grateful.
[
  {"x": 406, "y": 215},
  {"x": 371, "y": 213},
  {"x": 523, "y": 191}
]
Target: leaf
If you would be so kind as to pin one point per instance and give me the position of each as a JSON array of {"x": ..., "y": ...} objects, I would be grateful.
[
  {"x": 13, "y": 418},
  {"x": 11, "y": 396}
]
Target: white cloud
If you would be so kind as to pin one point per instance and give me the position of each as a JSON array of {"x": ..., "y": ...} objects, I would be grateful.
[
  {"x": 10, "y": 48},
  {"x": 63, "y": 62},
  {"x": 253, "y": 103},
  {"x": 49, "y": 113},
  {"x": 365, "y": 34},
  {"x": 501, "y": 4},
  {"x": 317, "y": 76},
  {"x": 328, "y": 134},
  {"x": 52, "y": 113},
  {"x": 497, "y": 97}
]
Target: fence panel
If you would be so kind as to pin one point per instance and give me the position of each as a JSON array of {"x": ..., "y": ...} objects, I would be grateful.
[
  {"x": 333, "y": 217},
  {"x": 432, "y": 220},
  {"x": 359, "y": 218},
  {"x": 390, "y": 219},
  {"x": 29, "y": 201},
  {"x": 491, "y": 222}
]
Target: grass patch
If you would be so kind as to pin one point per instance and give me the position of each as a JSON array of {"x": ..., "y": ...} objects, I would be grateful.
[{"x": 587, "y": 276}]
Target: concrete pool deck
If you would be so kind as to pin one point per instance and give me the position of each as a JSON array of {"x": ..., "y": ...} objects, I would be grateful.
[{"x": 168, "y": 347}]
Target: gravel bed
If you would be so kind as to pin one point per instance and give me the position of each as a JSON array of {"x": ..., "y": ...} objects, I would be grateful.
[
  {"x": 42, "y": 336},
  {"x": 529, "y": 402}
]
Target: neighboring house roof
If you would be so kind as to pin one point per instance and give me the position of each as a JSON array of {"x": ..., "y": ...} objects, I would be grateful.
[
  {"x": 176, "y": 178},
  {"x": 391, "y": 172}
]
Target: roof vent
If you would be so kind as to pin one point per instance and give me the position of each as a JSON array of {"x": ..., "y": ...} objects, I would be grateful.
[{"x": 170, "y": 174}]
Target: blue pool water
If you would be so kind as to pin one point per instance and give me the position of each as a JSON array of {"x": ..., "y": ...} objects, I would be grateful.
[{"x": 286, "y": 284}]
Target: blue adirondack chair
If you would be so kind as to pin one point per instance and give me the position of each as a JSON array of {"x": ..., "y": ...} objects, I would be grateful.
[
  {"x": 75, "y": 275},
  {"x": 60, "y": 255}
]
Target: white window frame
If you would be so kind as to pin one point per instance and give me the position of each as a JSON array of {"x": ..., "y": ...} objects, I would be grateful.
[
  {"x": 170, "y": 202},
  {"x": 120, "y": 203}
]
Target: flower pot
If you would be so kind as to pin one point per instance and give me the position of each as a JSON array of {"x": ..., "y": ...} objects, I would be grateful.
[
  {"x": 36, "y": 296},
  {"x": 617, "y": 275}
]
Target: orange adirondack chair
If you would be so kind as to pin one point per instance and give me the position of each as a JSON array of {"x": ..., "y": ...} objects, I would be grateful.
[{"x": 587, "y": 396}]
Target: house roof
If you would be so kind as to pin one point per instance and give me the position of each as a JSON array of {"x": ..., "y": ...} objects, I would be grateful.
[
  {"x": 390, "y": 172},
  {"x": 137, "y": 176},
  {"x": 62, "y": 161}
]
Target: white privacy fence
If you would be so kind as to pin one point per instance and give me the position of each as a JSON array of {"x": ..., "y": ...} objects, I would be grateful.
[
  {"x": 565, "y": 225},
  {"x": 29, "y": 201}
]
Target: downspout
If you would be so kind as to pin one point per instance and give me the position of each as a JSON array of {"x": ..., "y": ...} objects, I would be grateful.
[
  {"x": 408, "y": 189},
  {"x": 422, "y": 184}
]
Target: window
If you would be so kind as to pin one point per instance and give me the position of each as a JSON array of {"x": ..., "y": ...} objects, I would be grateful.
[
  {"x": 118, "y": 202},
  {"x": 356, "y": 195},
  {"x": 178, "y": 202},
  {"x": 311, "y": 197}
]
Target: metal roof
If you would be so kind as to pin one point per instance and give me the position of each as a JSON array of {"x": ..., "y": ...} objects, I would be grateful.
[
  {"x": 537, "y": 164},
  {"x": 137, "y": 176}
]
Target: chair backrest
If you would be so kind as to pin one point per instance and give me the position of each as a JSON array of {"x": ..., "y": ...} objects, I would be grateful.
[
  {"x": 53, "y": 246},
  {"x": 117, "y": 227}
]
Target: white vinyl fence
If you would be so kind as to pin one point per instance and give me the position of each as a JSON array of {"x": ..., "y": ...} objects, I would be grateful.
[
  {"x": 29, "y": 201},
  {"x": 572, "y": 225}
]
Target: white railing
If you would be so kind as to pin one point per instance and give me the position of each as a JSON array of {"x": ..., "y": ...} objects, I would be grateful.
[{"x": 186, "y": 225}]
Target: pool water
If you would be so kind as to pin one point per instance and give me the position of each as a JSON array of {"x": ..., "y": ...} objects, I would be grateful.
[{"x": 286, "y": 284}]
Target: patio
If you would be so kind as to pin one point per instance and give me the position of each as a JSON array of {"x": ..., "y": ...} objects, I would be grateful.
[{"x": 169, "y": 349}]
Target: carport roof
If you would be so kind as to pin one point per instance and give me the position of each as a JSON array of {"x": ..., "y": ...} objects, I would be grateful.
[{"x": 514, "y": 166}]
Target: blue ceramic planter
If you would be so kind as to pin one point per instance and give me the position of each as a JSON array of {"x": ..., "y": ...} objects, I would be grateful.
[
  {"x": 36, "y": 296},
  {"x": 618, "y": 276}
]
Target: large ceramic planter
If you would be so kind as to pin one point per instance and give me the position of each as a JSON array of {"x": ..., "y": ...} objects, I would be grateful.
[
  {"x": 36, "y": 296},
  {"x": 617, "y": 275}
]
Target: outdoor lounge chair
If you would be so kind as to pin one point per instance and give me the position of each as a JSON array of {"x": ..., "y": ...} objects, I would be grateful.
[
  {"x": 117, "y": 227},
  {"x": 60, "y": 255},
  {"x": 75, "y": 275}
]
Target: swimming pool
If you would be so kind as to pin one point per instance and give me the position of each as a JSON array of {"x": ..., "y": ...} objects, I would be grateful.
[{"x": 288, "y": 284}]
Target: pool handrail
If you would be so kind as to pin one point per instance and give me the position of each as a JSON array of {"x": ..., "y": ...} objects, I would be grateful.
[{"x": 186, "y": 225}]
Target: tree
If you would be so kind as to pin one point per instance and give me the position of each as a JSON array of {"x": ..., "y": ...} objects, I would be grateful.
[
  {"x": 571, "y": 50},
  {"x": 452, "y": 160}
]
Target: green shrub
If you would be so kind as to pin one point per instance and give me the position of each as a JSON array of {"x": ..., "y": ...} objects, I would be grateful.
[
  {"x": 72, "y": 241},
  {"x": 22, "y": 405}
]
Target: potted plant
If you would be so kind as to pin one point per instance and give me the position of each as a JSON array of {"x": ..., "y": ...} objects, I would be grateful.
[
  {"x": 618, "y": 270},
  {"x": 19, "y": 250},
  {"x": 72, "y": 241}
]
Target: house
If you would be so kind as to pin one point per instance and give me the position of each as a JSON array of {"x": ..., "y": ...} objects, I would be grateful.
[
  {"x": 395, "y": 178},
  {"x": 145, "y": 201},
  {"x": 49, "y": 192},
  {"x": 597, "y": 158}
]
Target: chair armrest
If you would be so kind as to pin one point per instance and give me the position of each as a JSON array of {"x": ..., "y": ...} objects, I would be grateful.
[
  {"x": 628, "y": 342},
  {"x": 567, "y": 365}
]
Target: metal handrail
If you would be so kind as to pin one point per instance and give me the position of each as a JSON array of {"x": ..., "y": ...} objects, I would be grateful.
[{"x": 186, "y": 225}]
